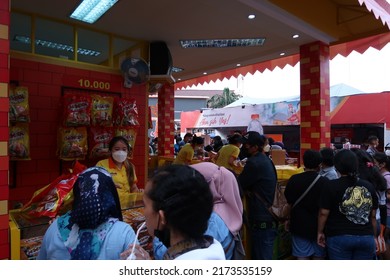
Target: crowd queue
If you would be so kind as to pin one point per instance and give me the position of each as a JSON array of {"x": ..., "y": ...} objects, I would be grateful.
[{"x": 339, "y": 206}]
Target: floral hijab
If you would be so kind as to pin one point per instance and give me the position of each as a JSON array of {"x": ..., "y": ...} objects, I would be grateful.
[{"x": 95, "y": 210}]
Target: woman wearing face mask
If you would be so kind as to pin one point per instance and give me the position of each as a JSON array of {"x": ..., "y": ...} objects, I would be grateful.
[
  {"x": 187, "y": 152},
  {"x": 121, "y": 169}
]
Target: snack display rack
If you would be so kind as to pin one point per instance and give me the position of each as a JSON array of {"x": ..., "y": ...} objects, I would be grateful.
[{"x": 26, "y": 232}]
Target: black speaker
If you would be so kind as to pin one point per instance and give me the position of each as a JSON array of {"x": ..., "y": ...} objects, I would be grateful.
[{"x": 160, "y": 59}]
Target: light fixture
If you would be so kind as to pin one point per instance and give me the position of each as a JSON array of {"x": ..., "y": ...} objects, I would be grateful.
[
  {"x": 91, "y": 10},
  {"x": 251, "y": 16},
  {"x": 204, "y": 73},
  {"x": 176, "y": 69},
  {"x": 222, "y": 43},
  {"x": 57, "y": 46},
  {"x": 238, "y": 65},
  {"x": 282, "y": 54},
  {"x": 295, "y": 36}
]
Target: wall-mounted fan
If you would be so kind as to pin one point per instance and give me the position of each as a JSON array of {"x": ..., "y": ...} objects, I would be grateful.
[{"x": 135, "y": 71}]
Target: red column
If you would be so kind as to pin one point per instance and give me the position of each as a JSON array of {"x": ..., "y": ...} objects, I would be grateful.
[
  {"x": 4, "y": 132},
  {"x": 166, "y": 107},
  {"x": 315, "y": 97}
]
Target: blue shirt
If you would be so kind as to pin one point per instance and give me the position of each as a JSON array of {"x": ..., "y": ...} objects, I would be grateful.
[
  {"x": 216, "y": 228},
  {"x": 117, "y": 240}
]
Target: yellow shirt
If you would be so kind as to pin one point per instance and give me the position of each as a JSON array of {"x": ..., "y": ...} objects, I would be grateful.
[
  {"x": 185, "y": 155},
  {"x": 225, "y": 153},
  {"x": 119, "y": 176}
]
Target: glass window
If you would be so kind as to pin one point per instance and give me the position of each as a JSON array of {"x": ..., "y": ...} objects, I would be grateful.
[
  {"x": 20, "y": 32},
  {"x": 93, "y": 47},
  {"x": 56, "y": 41}
]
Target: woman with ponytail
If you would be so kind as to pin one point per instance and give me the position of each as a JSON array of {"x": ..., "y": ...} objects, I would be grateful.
[
  {"x": 121, "y": 169},
  {"x": 346, "y": 221}
]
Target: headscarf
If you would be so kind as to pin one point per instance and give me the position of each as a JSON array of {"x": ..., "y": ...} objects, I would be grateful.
[
  {"x": 95, "y": 210},
  {"x": 224, "y": 187}
]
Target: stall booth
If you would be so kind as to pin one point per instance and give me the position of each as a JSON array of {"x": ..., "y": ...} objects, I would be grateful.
[{"x": 352, "y": 116}]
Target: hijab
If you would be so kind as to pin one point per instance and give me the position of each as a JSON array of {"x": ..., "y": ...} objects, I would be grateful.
[
  {"x": 95, "y": 210},
  {"x": 224, "y": 187}
]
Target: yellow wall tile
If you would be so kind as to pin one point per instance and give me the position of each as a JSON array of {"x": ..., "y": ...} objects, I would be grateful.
[
  {"x": 315, "y": 113},
  {"x": 3, "y": 90},
  {"x": 3, "y": 207},
  {"x": 3, "y": 149},
  {"x": 305, "y": 124},
  {"x": 305, "y": 146},
  {"x": 3, "y": 31}
]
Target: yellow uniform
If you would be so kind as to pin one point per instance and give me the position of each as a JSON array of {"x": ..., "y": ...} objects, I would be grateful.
[
  {"x": 119, "y": 177},
  {"x": 185, "y": 155},
  {"x": 225, "y": 153}
]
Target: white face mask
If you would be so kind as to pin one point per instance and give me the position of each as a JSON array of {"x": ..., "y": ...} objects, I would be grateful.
[
  {"x": 267, "y": 148},
  {"x": 119, "y": 156},
  {"x": 387, "y": 152}
]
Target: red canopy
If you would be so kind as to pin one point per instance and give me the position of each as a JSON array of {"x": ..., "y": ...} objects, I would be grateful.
[{"x": 362, "y": 108}]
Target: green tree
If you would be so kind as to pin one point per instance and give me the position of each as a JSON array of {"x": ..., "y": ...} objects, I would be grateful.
[{"x": 220, "y": 101}]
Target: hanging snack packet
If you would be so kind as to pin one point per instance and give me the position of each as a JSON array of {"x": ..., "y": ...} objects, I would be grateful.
[
  {"x": 19, "y": 107},
  {"x": 77, "y": 110},
  {"x": 126, "y": 112},
  {"x": 72, "y": 143},
  {"x": 102, "y": 107},
  {"x": 19, "y": 142},
  {"x": 98, "y": 141}
]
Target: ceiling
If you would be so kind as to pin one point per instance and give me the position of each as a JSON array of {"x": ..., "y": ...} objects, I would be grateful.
[{"x": 329, "y": 21}]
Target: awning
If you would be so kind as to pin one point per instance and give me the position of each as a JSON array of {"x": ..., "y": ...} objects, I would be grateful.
[
  {"x": 360, "y": 46},
  {"x": 380, "y": 8}
]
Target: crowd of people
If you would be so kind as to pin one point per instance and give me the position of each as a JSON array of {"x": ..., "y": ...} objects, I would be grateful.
[{"x": 337, "y": 206}]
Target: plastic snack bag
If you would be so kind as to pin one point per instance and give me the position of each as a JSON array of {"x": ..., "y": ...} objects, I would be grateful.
[
  {"x": 98, "y": 141},
  {"x": 19, "y": 142},
  {"x": 19, "y": 107},
  {"x": 77, "y": 110},
  {"x": 101, "y": 112},
  {"x": 126, "y": 112},
  {"x": 72, "y": 143}
]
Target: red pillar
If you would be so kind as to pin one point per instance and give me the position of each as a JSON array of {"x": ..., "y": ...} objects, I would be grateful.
[
  {"x": 166, "y": 129},
  {"x": 315, "y": 96},
  {"x": 4, "y": 130}
]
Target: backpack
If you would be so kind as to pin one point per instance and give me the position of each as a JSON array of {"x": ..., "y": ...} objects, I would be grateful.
[{"x": 279, "y": 209}]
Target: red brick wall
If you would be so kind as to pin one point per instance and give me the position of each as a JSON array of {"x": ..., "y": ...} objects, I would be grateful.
[
  {"x": 45, "y": 82},
  {"x": 4, "y": 108},
  {"x": 166, "y": 130},
  {"x": 315, "y": 97}
]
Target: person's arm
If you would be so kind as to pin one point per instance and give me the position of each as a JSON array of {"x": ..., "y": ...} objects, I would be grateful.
[{"x": 322, "y": 218}]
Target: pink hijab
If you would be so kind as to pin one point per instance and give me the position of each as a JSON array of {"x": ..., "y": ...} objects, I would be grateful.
[{"x": 224, "y": 187}]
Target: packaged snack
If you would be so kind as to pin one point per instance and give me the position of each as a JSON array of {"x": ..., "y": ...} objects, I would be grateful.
[
  {"x": 19, "y": 142},
  {"x": 19, "y": 107},
  {"x": 77, "y": 109},
  {"x": 54, "y": 198},
  {"x": 102, "y": 108},
  {"x": 72, "y": 143},
  {"x": 126, "y": 112},
  {"x": 98, "y": 141}
]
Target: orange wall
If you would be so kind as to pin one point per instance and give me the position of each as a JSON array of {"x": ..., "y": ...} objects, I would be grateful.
[{"x": 44, "y": 82}]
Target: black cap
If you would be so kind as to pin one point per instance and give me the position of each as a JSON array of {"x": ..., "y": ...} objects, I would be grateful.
[{"x": 254, "y": 138}]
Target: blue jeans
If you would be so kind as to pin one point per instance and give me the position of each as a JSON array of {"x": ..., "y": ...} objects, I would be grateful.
[
  {"x": 262, "y": 243},
  {"x": 351, "y": 247}
]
